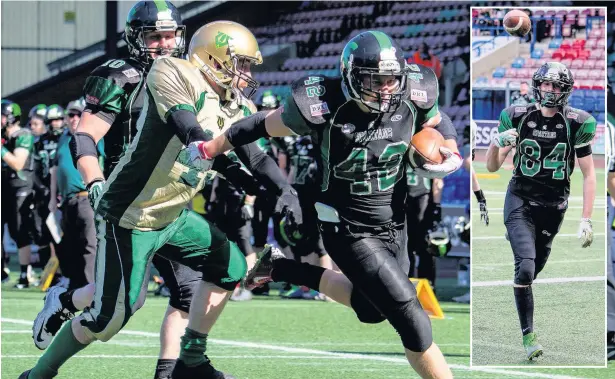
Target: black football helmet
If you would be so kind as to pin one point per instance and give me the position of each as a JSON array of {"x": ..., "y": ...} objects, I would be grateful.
[
  {"x": 560, "y": 76},
  {"x": 11, "y": 111},
  {"x": 366, "y": 60},
  {"x": 39, "y": 110},
  {"x": 152, "y": 16}
]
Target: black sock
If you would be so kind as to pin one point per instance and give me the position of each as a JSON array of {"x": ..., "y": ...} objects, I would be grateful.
[
  {"x": 525, "y": 308},
  {"x": 24, "y": 271},
  {"x": 66, "y": 299},
  {"x": 301, "y": 274},
  {"x": 480, "y": 196},
  {"x": 164, "y": 368}
]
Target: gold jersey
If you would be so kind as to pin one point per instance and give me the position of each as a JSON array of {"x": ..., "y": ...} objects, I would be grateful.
[{"x": 154, "y": 181}]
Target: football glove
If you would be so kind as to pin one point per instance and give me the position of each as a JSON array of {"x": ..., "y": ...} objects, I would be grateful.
[
  {"x": 247, "y": 212},
  {"x": 484, "y": 214},
  {"x": 452, "y": 162},
  {"x": 288, "y": 211},
  {"x": 586, "y": 233},
  {"x": 506, "y": 138},
  {"x": 197, "y": 154},
  {"x": 438, "y": 241},
  {"x": 95, "y": 189}
]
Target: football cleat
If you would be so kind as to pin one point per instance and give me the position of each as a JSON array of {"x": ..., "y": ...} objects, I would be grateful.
[
  {"x": 22, "y": 283},
  {"x": 203, "y": 371},
  {"x": 532, "y": 348},
  {"x": 24, "y": 375},
  {"x": 50, "y": 318},
  {"x": 261, "y": 272},
  {"x": 241, "y": 294},
  {"x": 5, "y": 275}
]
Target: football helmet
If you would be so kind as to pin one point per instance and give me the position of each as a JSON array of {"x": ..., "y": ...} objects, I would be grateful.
[
  {"x": 219, "y": 49},
  {"x": 560, "y": 76},
  {"x": 39, "y": 110},
  {"x": 438, "y": 241},
  {"x": 368, "y": 58},
  {"x": 76, "y": 105},
  {"x": 11, "y": 111},
  {"x": 153, "y": 16}
]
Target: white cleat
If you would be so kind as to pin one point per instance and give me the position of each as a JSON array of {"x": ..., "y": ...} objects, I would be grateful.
[{"x": 50, "y": 318}]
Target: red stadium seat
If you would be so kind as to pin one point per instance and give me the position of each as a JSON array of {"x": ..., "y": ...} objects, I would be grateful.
[
  {"x": 571, "y": 54},
  {"x": 557, "y": 55},
  {"x": 566, "y": 44}
]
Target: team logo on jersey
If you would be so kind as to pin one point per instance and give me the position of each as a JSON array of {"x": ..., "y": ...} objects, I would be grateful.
[
  {"x": 313, "y": 80},
  {"x": 544, "y": 127},
  {"x": 559, "y": 126},
  {"x": 130, "y": 73},
  {"x": 520, "y": 109},
  {"x": 415, "y": 77},
  {"x": 221, "y": 39},
  {"x": 319, "y": 109},
  {"x": 531, "y": 124},
  {"x": 348, "y": 128},
  {"x": 396, "y": 118},
  {"x": 414, "y": 67},
  {"x": 418, "y": 95},
  {"x": 546, "y": 233},
  {"x": 573, "y": 115},
  {"x": 220, "y": 122}
]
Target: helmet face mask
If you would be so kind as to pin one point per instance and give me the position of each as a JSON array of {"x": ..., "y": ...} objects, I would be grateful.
[
  {"x": 560, "y": 77},
  {"x": 371, "y": 62},
  {"x": 147, "y": 17},
  {"x": 224, "y": 51}
]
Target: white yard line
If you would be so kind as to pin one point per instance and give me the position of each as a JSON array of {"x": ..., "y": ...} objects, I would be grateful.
[
  {"x": 483, "y": 265},
  {"x": 496, "y": 283},
  {"x": 320, "y": 353},
  {"x": 502, "y": 237}
]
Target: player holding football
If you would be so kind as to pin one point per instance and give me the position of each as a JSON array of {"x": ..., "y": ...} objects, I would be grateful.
[
  {"x": 548, "y": 135},
  {"x": 362, "y": 125}
]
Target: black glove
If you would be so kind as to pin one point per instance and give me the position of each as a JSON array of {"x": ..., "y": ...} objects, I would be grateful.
[
  {"x": 288, "y": 211},
  {"x": 233, "y": 173}
]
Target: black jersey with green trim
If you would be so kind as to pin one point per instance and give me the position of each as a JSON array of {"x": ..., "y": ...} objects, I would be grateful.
[
  {"x": 44, "y": 157},
  {"x": 115, "y": 92},
  {"x": 21, "y": 138},
  {"x": 546, "y": 150},
  {"x": 361, "y": 154}
]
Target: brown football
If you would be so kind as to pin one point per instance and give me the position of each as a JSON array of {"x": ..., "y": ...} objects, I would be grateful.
[
  {"x": 425, "y": 148},
  {"x": 517, "y": 23}
]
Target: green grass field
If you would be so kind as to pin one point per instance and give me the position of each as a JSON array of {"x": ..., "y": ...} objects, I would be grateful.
[{"x": 569, "y": 306}]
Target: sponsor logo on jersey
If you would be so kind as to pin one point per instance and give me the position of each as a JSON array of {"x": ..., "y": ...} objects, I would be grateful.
[
  {"x": 544, "y": 127},
  {"x": 520, "y": 109},
  {"x": 414, "y": 67},
  {"x": 531, "y": 124},
  {"x": 374, "y": 135},
  {"x": 559, "y": 126},
  {"x": 388, "y": 54},
  {"x": 573, "y": 115},
  {"x": 415, "y": 77},
  {"x": 546, "y": 233},
  {"x": 130, "y": 73},
  {"x": 220, "y": 123},
  {"x": 418, "y": 95},
  {"x": 319, "y": 109},
  {"x": 544, "y": 134},
  {"x": 348, "y": 128},
  {"x": 91, "y": 99},
  {"x": 396, "y": 118}
]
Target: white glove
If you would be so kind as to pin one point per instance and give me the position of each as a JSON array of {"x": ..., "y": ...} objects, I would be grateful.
[
  {"x": 198, "y": 156},
  {"x": 506, "y": 138},
  {"x": 452, "y": 162},
  {"x": 586, "y": 234}
]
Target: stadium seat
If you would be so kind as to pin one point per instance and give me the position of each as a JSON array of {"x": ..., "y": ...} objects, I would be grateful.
[{"x": 537, "y": 53}]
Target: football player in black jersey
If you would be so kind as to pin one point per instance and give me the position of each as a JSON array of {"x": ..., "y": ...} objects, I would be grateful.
[
  {"x": 114, "y": 94},
  {"x": 17, "y": 182},
  {"x": 547, "y": 135},
  {"x": 362, "y": 125}
]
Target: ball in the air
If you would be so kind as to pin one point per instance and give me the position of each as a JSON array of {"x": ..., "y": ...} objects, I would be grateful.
[
  {"x": 425, "y": 148},
  {"x": 517, "y": 23}
]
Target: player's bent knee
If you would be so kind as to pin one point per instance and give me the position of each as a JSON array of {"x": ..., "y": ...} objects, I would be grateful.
[
  {"x": 525, "y": 272},
  {"x": 101, "y": 327},
  {"x": 413, "y": 326},
  {"x": 365, "y": 310}
]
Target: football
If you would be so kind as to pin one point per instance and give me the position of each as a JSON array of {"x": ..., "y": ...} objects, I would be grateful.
[
  {"x": 425, "y": 148},
  {"x": 517, "y": 23}
]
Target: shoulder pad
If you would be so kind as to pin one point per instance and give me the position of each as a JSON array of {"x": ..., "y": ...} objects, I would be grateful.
[
  {"x": 110, "y": 84},
  {"x": 519, "y": 110},
  {"x": 317, "y": 97},
  {"x": 120, "y": 71},
  {"x": 422, "y": 86},
  {"x": 574, "y": 115}
]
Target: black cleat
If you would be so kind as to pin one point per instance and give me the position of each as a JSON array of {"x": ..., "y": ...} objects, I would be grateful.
[
  {"x": 260, "y": 274},
  {"x": 202, "y": 371}
]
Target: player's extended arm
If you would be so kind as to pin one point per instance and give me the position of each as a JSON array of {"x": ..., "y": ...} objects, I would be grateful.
[
  {"x": 589, "y": 184},
  {"x": 91, "y": 129},
  {"x": 247, "y": 130},
  {"x": 17, "y": 159},
  {"x": 496, "y": 157}
]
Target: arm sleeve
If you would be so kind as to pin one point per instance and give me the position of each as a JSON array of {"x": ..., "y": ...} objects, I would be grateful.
[
  {"x": 446, "y": 127},
  {"x": 263, "y": 167},
  {"x": 25, "y": 141},
  {"x": 584, "y": 136}
]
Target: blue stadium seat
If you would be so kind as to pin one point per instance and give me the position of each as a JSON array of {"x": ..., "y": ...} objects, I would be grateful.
[
  {"x": 537, "y": 53},
  {"x": 518, "y": 63},
  {"x": 577, "y": 102},
  {"x": 555, "y": 43}
]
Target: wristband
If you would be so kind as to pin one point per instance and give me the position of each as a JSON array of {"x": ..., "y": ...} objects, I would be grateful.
[{"x": 4, "y": 151}]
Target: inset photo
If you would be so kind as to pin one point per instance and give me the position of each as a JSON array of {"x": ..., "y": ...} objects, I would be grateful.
[{"x": 538, "y": 238}]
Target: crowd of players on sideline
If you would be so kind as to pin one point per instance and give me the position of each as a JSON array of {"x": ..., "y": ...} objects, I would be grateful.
[{"x": 47, "y": 182}]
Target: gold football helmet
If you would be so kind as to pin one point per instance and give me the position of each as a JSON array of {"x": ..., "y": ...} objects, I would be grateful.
[{"x": 220, "y": 49}]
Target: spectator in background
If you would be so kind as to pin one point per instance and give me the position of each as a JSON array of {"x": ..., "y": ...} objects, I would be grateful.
[
  {"x": 425, "y": 58},
  {"x": 522, "y": 96},
  {"x": 79, "y": 239}
]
